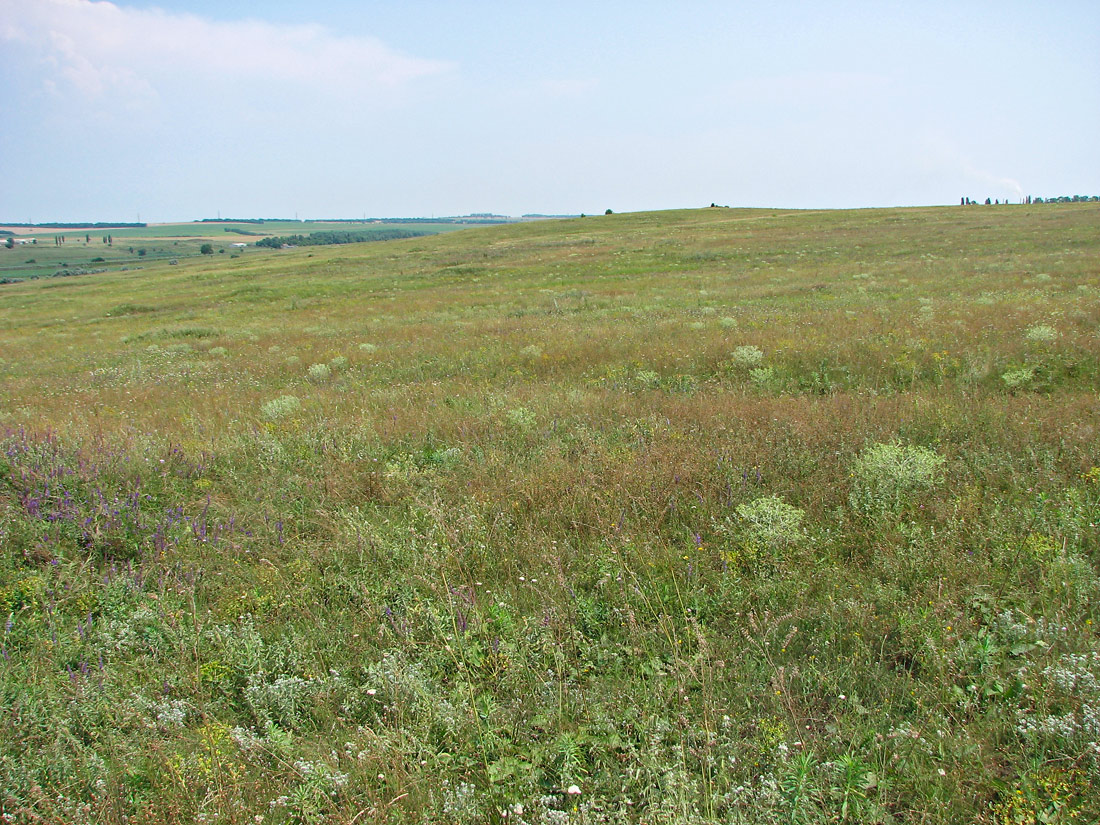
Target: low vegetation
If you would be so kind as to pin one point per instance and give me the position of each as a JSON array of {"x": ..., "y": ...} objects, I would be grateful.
[{"x": 735, "y": 516}]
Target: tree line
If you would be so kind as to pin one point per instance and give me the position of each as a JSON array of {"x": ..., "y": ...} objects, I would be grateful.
[{"x": 328, "y": 238}]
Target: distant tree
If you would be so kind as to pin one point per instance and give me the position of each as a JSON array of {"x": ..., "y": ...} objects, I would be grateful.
[
  {"x": 988, "y": 202},
  {"x": 141, "y": 252},
  {"x": 207, "y": 249},
  {"x": 608, "y": 212},
  {"x": 87, "y": 239},
  {"x": 9, "y": 243}
]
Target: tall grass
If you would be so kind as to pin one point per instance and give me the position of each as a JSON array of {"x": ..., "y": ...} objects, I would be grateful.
[{"x": 722, "y": 515}]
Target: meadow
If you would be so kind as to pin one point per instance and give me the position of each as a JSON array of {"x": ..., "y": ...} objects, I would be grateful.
[{"x": 720, "y": 515}]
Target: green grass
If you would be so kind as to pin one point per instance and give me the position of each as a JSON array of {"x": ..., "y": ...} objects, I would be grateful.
[{"x": 716, "y": 515}]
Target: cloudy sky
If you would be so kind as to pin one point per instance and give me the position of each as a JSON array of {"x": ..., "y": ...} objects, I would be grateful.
[{"x": 181, "y": 109}]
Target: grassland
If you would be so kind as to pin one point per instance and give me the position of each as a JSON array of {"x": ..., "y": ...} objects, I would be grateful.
[{"x": 702, "y": 516}]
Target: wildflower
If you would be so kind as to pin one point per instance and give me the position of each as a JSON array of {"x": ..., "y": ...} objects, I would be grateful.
[{"x": 573, "y": 790}]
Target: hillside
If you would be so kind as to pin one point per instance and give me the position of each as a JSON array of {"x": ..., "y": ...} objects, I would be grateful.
[{"x": 711, "y": 516}]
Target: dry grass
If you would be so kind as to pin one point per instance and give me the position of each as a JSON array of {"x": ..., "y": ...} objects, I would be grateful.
[{"x": 510, "y": 509}]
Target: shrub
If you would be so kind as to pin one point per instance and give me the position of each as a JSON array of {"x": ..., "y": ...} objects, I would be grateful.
[
  {"x": 319, "y": 372},
  {"x": 281, "y": 407},
  {"x": 763, "y": 377},
  {"x": 771, "y": 522},
  {"x": 887, "y": 476},
  {"x": 1018, "y": 378},
  {"x": 1041, "y": 333},
  {"x": 747, "y": 356},
  {"x": 521, "y": 418},
  {"x": 339, "y": 362}
]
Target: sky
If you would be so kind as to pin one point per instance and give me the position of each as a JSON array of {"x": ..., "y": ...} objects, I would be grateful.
[{"x": 186, "y": 109}]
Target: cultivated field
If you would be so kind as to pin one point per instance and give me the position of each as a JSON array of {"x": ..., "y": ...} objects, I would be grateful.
[
  {"x": 86, "y": 250},
  {"x": 700, "y": 516}
]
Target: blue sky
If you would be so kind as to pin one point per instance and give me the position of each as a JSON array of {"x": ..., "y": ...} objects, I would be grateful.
[{"x": 183, "y": 109}]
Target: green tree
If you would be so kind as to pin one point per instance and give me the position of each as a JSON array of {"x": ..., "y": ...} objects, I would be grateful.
[{"x": 207, "y": 249}]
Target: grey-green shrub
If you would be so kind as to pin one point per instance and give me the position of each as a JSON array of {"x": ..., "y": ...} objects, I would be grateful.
[
  {"x": 769, "y": 522},
  {"x": 747, "y": 356},
  {"x": 1018, "y": 378},
  {"x": 887, "y": 476},
  {"x": 281, "y": 407},
  {"x": 521, "y": 418},
  {"x": 319, "y": 372},
  {"x": 1041, "y": 333}
]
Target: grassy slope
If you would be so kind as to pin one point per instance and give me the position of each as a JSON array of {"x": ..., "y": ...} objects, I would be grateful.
[{"x": 503, "y": 540}]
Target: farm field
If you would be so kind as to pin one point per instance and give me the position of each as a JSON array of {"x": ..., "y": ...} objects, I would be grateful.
[
  {"x": 85, "y": 250},
  {"x": 721, "y": 515}
]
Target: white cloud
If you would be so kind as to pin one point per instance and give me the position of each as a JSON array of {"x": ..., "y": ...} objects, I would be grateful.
[{"x": 95, "y": 48}]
